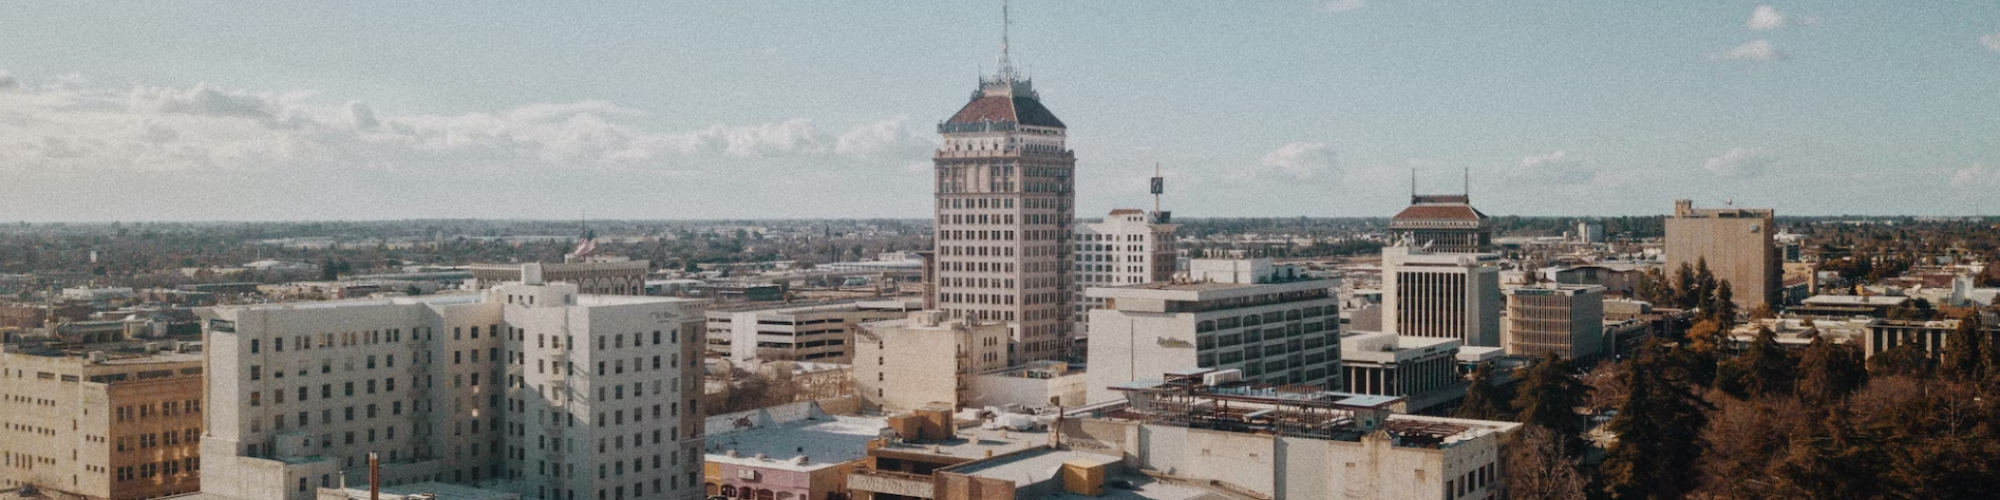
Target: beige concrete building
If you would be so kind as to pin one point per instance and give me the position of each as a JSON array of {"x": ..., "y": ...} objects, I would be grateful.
[
  {"x": 1281, "y": 444},
  {"x": 593, "y": 275},
  {"x": 1567, "y": 320},
  {"x": 1737, "y": 244},
  {"x": 1449, "y": 295},
  {"x": 818, "y": 333},
  {"x": 925, "y": 359},
  {"x": 1269, "y": 322},
  {"x": 110, "y": 420},
  {"x": 1005, "y": 205},
  {"x": 1421, "y": 370},
  {"x": 529, "y": 388}
]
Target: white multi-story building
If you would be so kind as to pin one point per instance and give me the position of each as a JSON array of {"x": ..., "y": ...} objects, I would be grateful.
[
  {"x": 1129, "y": 247},
  {"x": 820, "y": 333},
  {"x": 1272, "y": 323},
  {"x": 1449, "y": 295},
  {"x": 529, "y": 388}
]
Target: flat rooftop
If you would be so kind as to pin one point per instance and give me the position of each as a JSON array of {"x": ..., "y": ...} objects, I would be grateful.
[
  {"x": 974, "y": 443},
  {"x": 1030, "y": 467},
  {"x": 824, "y": 440},
  {"x": 441, "y": 491}
]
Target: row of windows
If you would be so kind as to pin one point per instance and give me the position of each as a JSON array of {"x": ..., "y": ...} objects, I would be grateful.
[
  {"x": 151, "y": 410},
  {"x": 167, "y": 468},
  {"x": 155, "y": 440},
  {"x": 331, "y": 340},
  {"x": 1258, "y": 319}
]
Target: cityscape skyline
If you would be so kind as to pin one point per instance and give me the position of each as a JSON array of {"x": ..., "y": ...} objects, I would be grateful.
[{"x": 647, "y": 112}]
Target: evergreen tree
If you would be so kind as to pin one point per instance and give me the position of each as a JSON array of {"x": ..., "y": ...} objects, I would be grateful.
[
  {"x": 1962, "y": 361},
  {"x": 1829, "y": 372},
  {"x": 1685, "y": 291},
  {"x": 1658, "y": 428},
  {"x": 1765, "y": 369},
  {"x": 1724, "y": 306},
  {"x": 1831, "y": 462},
  {"x": 1483, "y": 399},
  {"x": 1549, "y": 395},
  {"x": 1905, "y": 360},
  {"x": 1704, "y": 285}
]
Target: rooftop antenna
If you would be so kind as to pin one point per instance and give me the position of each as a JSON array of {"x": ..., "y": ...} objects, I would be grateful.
[
  {"x": 1006, "y": 23},
  {"x": 1413, "y": 184},
  {"x": 1159, "y": 186},
  {"x": 1468, "y": 184}
]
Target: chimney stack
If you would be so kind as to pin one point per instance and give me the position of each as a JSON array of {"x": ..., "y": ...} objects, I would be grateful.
[
  {"x": 374, "y": 476},
  {"x": 930, "y": 279}
]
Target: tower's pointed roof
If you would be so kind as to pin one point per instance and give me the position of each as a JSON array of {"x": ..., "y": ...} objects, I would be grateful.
[
  {"x": 1006, "y": 97},
  {"x": 1006, "y": 107}
]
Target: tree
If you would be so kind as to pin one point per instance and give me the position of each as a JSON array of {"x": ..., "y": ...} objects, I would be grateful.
[
  {"x": 1685, "y": 291},
  {"x": 1723, "y": 305},
  {"x": 1658, "y": 430},
  {"x": 1962, "y": 361},
  {"x": 1762, "y": 311},
  {"x": 1828, "y": 372},
  {"x": 1483, "y": 399},
  {"x": 1706, "y": 336},
  {"x": 1830, "y": 463},
  {"x": 1763, "y": 370},
  {"x": 1903, "y": 360},
  {"x": 1550, "y": 393},
  {"x": 1539, "y": 468}
]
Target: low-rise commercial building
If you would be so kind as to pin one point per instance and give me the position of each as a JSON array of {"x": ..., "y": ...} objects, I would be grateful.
[
  {"x": 1264, "y": 442},
  {"x": 925, "y": 359},
  {"x": 794, "y": 451},
  {"x": 1269, "y": 322},
  {"x": 1421, "y": 370},
  {"x": 822, "y": 333}
]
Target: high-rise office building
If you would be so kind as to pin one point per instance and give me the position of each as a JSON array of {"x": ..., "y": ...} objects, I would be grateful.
[
  {"x": 116, "y": 419},
  {"x": 1450, "y": 295},
  {"x": 1567, "y": 320},
  {"x": 1004, "y": 206},
  {"x": 1737, "y": 244},
  {"x": 530, "y": 388}
]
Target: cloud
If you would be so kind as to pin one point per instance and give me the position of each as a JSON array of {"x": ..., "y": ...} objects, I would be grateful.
[
  {"x": 7, "y": 81},
  {"x": 1766, "y": 17},
  {"x": 891, "y": 136},
  {"x": 1299, "y": 161},
  {"x": 1975, "y": 176},
  {"x": 1342, "y": 5},
  {"x": 203, "y": 128},
  {"x": 1557, "y": 167},
  {"x": 1754, "y": 50},
  {"x": 1739, "y": 163},
  {"x": 1991, "y": 41}
]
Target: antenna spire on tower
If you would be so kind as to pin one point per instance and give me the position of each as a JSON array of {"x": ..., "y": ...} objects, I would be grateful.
[
  {"x": 1006, "y": 24},
  {"x": 1468, "y": 184}
]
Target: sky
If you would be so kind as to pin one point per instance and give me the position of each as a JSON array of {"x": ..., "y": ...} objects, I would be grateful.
[{"x": 195, "y": 110}]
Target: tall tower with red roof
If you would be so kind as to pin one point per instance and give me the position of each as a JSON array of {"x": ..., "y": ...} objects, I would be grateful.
[{"x": 1005, "y": 200}]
